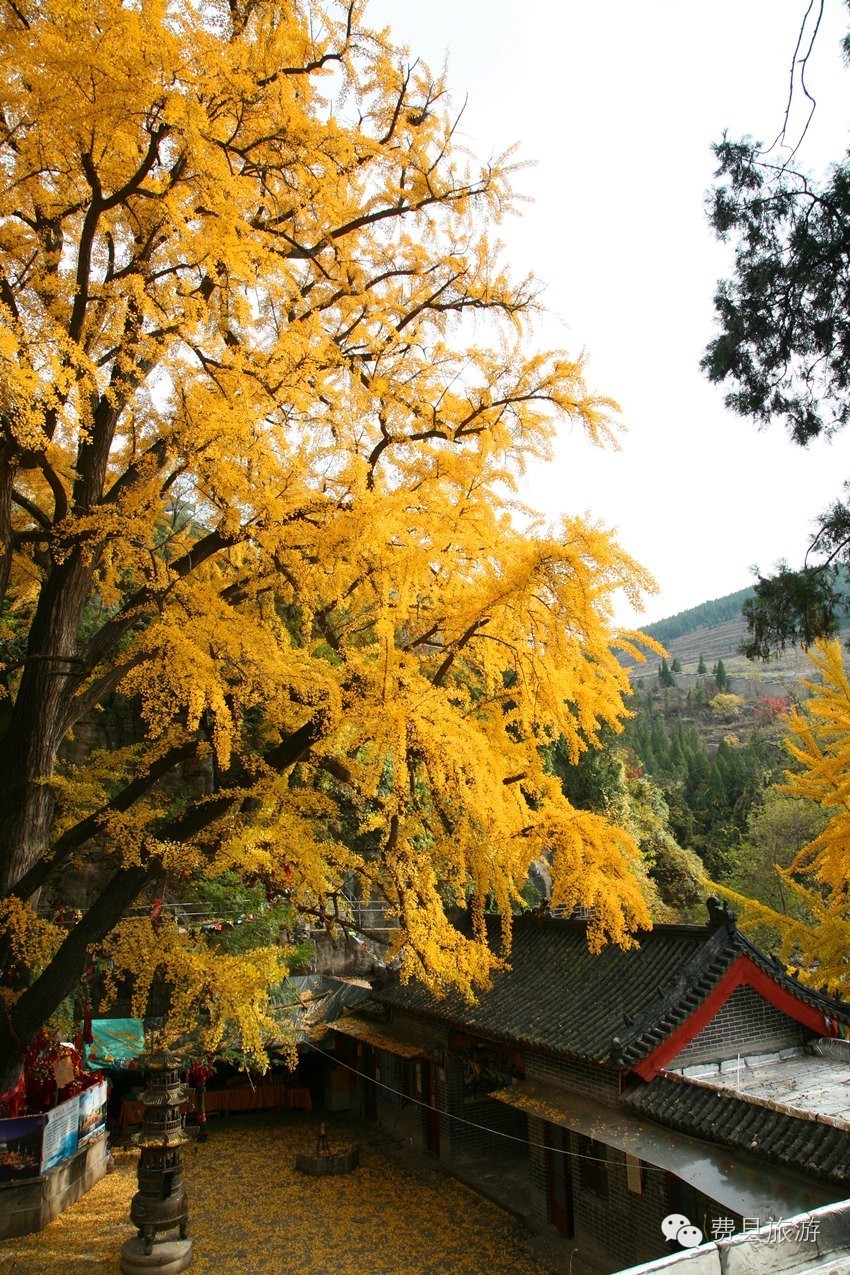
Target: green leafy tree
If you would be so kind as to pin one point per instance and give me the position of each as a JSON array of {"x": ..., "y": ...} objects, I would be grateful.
[
  {"x": 793, "y": 608},
  {"x": 709, "y": 796},
  {"x": 676, "y": 873},
  {"x": 239, "y": 916},
  {"x": 725, "y": 705},
  {"x": 612, "y": 782},
  {"x": 595, "y": 780},
  {"x": 815, "y": 932},
  {"x": 778, "y": 828},
  {"x": 783, "y": 346},
  {"x": 665, "y": 677}
]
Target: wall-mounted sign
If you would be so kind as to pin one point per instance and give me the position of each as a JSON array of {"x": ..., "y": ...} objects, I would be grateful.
[
  {"x": 20, "y": 1147},
  {"x": 61, "y": 1133},
  {"x": 92, "y": 1112}
]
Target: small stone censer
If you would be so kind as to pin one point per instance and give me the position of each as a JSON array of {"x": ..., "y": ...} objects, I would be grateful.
[
  {"x": 160, "y": 1206},
  {"x": 325, "y": 1160}
]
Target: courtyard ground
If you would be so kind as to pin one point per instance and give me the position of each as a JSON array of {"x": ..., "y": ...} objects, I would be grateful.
[{"x": 253, "y": 1214}]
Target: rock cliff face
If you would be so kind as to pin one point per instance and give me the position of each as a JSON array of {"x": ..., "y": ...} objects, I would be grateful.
[
  {"x": 345, "y": 957},
  {"x": 335, "y": 952},
  {"x": 109, "y": 731}
]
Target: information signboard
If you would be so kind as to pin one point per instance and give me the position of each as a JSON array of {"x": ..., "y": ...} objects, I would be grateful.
[
  {"x": 20, "y": 1147},
  {"x": 61, "y": 1132},
  {"x": 92, "y": 1113}
]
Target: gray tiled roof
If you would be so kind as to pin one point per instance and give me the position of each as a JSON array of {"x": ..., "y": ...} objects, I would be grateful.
[
  {"x": 559, "y": 996},
  {"x": 810, "y": 1145}
]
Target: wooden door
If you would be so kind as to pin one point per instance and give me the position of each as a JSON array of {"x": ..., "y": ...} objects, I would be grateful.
[
  {"x": 370, "y": 1089},
  {"x": 432, "y": 1116},
  {"x": 559, "y": 1189}
]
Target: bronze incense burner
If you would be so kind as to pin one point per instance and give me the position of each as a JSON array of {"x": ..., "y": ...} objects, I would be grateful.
[{"x": 161, "y": 1204}]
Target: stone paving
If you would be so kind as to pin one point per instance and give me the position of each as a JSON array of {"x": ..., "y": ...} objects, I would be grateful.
[{"x": 253, "y": 1214}]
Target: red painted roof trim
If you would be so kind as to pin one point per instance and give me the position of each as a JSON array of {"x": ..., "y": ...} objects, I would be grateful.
[{"x": 741, "y": 973}]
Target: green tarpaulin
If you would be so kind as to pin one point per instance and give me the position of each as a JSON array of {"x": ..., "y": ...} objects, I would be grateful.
[{"x": 116, "y": 1040}]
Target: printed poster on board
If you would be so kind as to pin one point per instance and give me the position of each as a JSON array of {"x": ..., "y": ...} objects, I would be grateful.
[
  {"x": 60, "y": 1133},
  {"x": 20, "y": 1147},
  {"x": 92, "y": 1114}
]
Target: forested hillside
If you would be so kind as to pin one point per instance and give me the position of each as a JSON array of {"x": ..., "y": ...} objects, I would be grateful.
[
  {"x": 695, "y": 773},
  {"x": 706, "y": 736},
  {"x": 716, "y": 631},
  {"x": 705, "y": 616}
]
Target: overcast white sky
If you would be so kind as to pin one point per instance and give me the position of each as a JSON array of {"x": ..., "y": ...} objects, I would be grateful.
[{"x": 617, "y": 103}]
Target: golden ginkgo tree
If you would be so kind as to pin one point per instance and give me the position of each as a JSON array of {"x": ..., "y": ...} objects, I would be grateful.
[
  {"x": 815, "y": 936},
  {"x": 266, "y": 389}
]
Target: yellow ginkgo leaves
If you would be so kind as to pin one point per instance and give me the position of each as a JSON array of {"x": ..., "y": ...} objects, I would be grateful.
[{"x": 267, "y": 387}]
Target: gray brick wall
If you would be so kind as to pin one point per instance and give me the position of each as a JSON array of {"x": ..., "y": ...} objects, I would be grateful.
[
  {"x": 578, "y": 1077},
  {"x": 537, "y": 1174},
  {"x": 420, "y": 1030},
  {"x": 468, "y": 1130},
  {"x": 476, "y": 1133},
  {"x": 403, "y": 1119},
  {"x": 473, "y": 1130},
  {"x": 746, "y": 1024},
  {"x": 476, "y": 1130},
  {"x": 431, "y": 1036},
  {"x": 406, "y": 1117},
  {"x": 614, "y": 1232},
  {"x": 625, "y": 1228}
]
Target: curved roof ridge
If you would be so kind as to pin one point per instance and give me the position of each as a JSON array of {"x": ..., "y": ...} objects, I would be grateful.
[
  {"x": 681, "y": 996},
  {"x": 615, "y": 1007},
  {"x": 698, "y": 979},
  {"x": 775, "y": 968}
]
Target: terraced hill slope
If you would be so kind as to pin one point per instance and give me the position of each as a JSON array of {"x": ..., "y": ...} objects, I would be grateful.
[{"x": 780, "y": 676}]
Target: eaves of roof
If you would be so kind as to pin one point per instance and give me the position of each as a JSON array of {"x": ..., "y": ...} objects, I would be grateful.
[
  {"x": 614, "y": 1008},
  {"x": 737, "y": 1181},
  {"x": 813, "y": 1145}
]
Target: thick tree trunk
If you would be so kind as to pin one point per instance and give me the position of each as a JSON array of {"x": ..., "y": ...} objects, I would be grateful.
[
  {"x": 40, "y": 720},
  {"x": 64, "y": 972},
  {"x": 77, "y": 835},
  {"x": 6, "y": 477}
]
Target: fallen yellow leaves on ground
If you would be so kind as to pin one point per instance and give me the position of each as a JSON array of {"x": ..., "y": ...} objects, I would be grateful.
[{"x": 253, "y": 1214}]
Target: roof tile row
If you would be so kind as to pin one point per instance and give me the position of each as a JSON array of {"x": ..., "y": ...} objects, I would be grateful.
[
  {"x": 808, "y": 1145},
  {"x": 613, "y": 1007}
]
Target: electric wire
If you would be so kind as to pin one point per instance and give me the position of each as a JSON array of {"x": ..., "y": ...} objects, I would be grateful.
[{"x": 450, "y": 1115}]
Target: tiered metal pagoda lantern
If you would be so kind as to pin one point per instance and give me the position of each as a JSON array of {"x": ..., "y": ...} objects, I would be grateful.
[{"x": 160, "y": 1206}]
